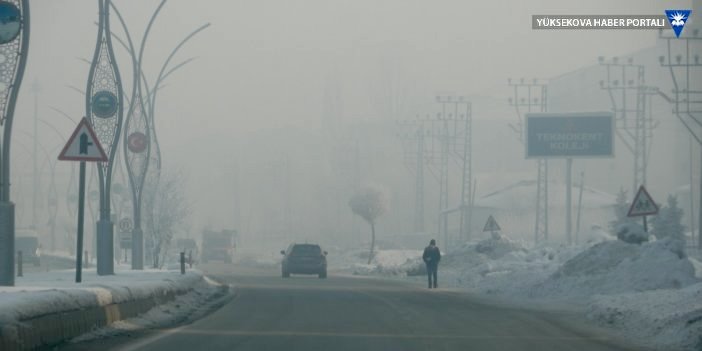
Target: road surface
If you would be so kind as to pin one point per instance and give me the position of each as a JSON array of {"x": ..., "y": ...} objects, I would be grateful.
[{"x": 350, "y": 313}]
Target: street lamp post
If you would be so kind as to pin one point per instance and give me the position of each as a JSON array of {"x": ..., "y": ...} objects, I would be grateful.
[
  {"x": 52, "y": 193},
  {"x": 137, "y": 148},
  {"x": 104, "y": 107},
  {"x": 142, "y": 106},
  {"x": 14, "y": 47}
]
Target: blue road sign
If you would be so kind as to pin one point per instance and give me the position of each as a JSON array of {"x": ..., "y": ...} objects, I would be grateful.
[
  {"x": 104, "y": 104},
  {"x": 9, "y": 22},
  {"x": 569, "y": 135}
]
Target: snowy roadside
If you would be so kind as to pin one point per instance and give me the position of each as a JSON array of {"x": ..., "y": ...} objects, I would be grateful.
[
  {"x": 204, "y": 297},
  {"x": 158, "y": 297},
  {"x": 651, "y": 293}
]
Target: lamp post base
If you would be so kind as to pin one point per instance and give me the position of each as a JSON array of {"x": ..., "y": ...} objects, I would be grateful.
[
  {"x": 7, "y": 243},
  {"x": 105, "y": 252},
  {"x": 138, "y": 249}
]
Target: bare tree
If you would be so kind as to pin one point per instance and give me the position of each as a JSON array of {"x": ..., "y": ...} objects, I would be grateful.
[
  {"x": 169, "y": 210},
  {"x": 369, "y": 203}
]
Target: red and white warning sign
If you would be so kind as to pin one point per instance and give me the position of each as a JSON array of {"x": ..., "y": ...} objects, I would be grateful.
[
  {"x": 643, "y": 204},
  {"x": 83, "y": 145}
]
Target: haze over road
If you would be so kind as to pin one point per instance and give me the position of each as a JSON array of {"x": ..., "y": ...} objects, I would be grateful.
[{"x": 350, "y": 313}]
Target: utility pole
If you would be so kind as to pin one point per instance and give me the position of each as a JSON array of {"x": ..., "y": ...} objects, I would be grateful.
[
  {"x": 467, "y": 172},
  {"x": 35, "y": 156},
  {"x": 682, "y": 60},
  {"x": 629, "y": 95},
  {"x": 419, "y": 183},
  {"x": 449, "y": 134},
  {"x": 446, "y": 137},
  {"x": 52, "y": 192},
  {"x": 414, "y": 157},
  {"x": 287, "y": 217},
  {"x": 533, "y": 97},
  {"x": 356, "y": 184},
  {"x": 444, "y": 141}
]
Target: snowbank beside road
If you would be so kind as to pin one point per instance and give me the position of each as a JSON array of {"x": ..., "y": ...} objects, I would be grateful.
[
  {"x": 651, "y": 292},
  {"x": 47, "y": 308},
  {"x": 45, "y": 293},
  {"x": 669, "y": 319},
  {"x": 386, "y": 262},
  {"x": 615, "y": 267},
  {"x": 203, "y": 297}
]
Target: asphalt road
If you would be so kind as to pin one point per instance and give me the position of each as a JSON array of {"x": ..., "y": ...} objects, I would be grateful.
[{"x": 350, "y": 313}]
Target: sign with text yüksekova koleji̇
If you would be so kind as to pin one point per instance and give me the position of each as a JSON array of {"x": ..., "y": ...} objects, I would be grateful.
[{"x": 569, "y": 135}]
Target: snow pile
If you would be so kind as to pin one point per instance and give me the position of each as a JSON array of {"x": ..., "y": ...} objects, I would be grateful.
[
  {"x": 205, "y": 296},
  {"x": 390, "y": 262},
  {"x": 501, "y": 266},
  {"x": 346, "y": 259},
  {"x": 497, "y": 247},
  {"x": 632, "y": 233},
  {"x": 394, "y": 258},
  {"x": 613, "y": 267},
  {"x": 667, "y": 319}
]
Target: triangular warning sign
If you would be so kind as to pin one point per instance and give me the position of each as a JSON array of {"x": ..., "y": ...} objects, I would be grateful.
[
  {"x": 643, "y": 204},
  {"x": 83, "y": 145},
  {"x": 491, "y": 225}
]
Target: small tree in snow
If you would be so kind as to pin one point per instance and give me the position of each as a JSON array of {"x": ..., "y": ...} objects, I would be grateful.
[
  {"x": 369, "y": 203},
  {"x": 621, "y": 209},
  {"x": 668, "y": 222},
  {"x": 168, "y": 212}
]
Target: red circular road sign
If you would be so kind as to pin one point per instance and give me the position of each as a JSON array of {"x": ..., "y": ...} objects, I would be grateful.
[{"x": 136, "y": 142}]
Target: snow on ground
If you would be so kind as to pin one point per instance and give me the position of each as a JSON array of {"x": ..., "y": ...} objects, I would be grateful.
[
  {"x": 667, "y": 319},
  {"x": 387, "y": 262},
  {"x": 651, "y": 292},
  {"x": 616, "y": 267},
  {"x": 205, "y": 296},
  {"x": 44, "y": 293}
]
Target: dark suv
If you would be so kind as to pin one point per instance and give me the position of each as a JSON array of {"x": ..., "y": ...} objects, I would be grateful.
[{"x": 304, "y": 259}]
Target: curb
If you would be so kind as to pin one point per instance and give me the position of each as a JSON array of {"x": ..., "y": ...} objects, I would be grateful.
[{"x": 55, "y": 328}]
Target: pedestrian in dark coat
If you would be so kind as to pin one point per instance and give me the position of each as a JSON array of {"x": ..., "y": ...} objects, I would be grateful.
[{"x": 431, "y": 258}]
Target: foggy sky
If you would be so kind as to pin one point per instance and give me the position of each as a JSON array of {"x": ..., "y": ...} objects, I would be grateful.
[{"x": 265, "y": 65}]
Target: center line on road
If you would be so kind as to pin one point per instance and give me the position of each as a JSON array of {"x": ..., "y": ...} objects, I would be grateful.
[{"x": 377, "y": 335}]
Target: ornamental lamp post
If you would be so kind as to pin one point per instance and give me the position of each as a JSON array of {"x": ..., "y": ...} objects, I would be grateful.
[
  {"x": 14, "y": 48},
  {"x": 104, "y": 108}
]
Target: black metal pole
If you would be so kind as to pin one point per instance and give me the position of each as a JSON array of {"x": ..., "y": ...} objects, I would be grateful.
[
  {"x": 19, "y": 263},
  {"x": 182, "y": 263},
  {"x": 81, "y": 208}
]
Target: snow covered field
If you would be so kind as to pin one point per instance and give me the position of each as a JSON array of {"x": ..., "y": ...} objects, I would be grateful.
[{"x": 650, "y": 292}]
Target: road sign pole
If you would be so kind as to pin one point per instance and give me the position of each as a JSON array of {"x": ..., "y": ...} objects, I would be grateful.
[
  {"x": 81, "y": 208},
  {"x": 82, "y": 146},
  {"x": 569, "y": 188}
]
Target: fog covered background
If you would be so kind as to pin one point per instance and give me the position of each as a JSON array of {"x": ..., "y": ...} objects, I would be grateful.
[{"x": 290, "y": 106}]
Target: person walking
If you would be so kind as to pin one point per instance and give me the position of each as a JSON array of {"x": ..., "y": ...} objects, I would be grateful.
[{"x": 431, "y": 258}]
